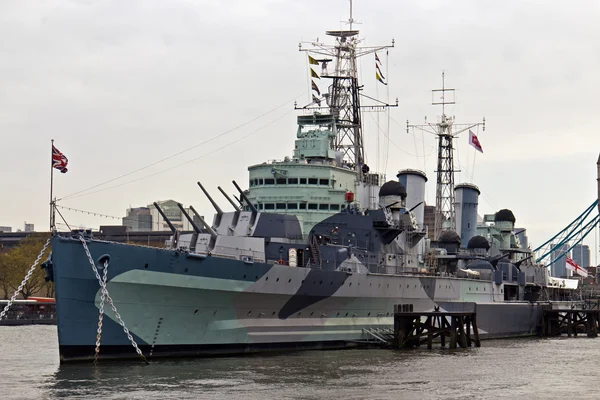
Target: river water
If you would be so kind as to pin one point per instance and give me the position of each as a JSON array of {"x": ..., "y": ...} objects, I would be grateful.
[{"x": 502, "y": 369}]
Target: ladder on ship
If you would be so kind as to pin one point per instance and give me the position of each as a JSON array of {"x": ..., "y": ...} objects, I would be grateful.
[
  {"x": 383, "y": 336},
  {"x": 315, "y": 253}
]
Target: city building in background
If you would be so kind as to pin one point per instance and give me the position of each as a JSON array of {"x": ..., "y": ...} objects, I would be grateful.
[
  {"x": 138, "y": 219},
  {"x": 429, "y": 221},
  {"x": 581, "y": 255},
  {"x": 559, "y": 263},
  {"x": 5, "y": 229},
  {"x": 28, "y": 227},
  {"x": 149, "y": 219}
]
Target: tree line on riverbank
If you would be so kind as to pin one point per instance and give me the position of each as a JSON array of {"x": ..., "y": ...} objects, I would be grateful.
[{"x": 15, "y": 263}]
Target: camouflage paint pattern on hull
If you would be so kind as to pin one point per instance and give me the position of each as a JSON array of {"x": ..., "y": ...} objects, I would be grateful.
[{"x": 176, "y": 304}]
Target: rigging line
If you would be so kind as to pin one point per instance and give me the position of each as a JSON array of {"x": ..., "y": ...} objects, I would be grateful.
[
  {"x": 387, "y": 71},
  {"x": 95, "y": 214},
  {"x": 186, "y": 162},
  {"x": 398, "y": 147},
  {"x": 181, "y": 152}
]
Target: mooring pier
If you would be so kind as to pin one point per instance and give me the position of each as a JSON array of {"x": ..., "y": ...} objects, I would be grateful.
[
  {"x": 556, "y": 322},
  {"x": 412, "y": 329}
]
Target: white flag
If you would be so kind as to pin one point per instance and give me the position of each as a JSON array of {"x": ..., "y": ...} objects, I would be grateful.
[{"x": 572, "y": 265}]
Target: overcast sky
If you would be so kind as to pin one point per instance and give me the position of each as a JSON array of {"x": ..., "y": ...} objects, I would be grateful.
[{"x": 120, "y": 85}]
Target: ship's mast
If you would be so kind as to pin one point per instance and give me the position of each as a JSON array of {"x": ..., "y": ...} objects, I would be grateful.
[
  {"x": 445, "y": 217},
  {"x": 343, "y": 95}
]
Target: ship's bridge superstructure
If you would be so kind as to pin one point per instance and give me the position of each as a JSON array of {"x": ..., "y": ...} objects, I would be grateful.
[{"x": 314, "y": 184}]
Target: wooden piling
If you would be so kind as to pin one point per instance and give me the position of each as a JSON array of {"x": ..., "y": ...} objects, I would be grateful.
[
  {"x": 556, "y": 322},
  {"x": 412, "y": 329}
]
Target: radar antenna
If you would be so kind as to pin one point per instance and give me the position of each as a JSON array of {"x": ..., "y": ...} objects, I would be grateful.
[
  {"x": 445, "y": 217},
  {"x": 343, "y": 95}
]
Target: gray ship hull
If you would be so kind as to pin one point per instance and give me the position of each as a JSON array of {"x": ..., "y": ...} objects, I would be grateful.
[{"x": 180, "y": 304}]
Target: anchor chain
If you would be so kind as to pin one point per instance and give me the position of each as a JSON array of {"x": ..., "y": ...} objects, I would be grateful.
[
  {"x": 104, "y": 290},
  {"x": 101, "y": 314},
  {"x": 22, "y": 285}
]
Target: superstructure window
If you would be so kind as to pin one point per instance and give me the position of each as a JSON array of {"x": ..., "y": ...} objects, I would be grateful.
[
  {"x": 292, "y": 181},
  {"x": 269, "y": 181},
  {"x": 281, "y": 181},
  {"x": 303, "y": 181},
  {"x": 324, "y": 182},
  {"x": 335, "y": 207},
  {"x": 269, "y": 206},
  {"x": 280, "y": 206},
  {"x": 260, "y": 181},
  {"x": 313, "y": 181},
  {"x": 260, "y": 206},
  {"x": 251, "y": 182},
  {"x": 292, "y": 206},
  {"x": 303, "y": 206},
  {"x": 324, "y": 207},
  {"x": 313, "y": 206}
]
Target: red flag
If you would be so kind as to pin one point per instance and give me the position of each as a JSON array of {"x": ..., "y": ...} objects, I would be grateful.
[{"x": 474, "y": 141}]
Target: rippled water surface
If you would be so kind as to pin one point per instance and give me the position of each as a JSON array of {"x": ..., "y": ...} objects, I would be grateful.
[{"x": 503, "y": 369}]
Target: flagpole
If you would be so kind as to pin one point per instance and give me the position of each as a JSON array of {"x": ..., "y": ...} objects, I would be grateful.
[{"x": 51, "y": 185}]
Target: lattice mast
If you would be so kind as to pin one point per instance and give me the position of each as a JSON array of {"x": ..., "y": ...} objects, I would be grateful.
[
  {"x": 445, "y": 216},
  {"x": 343, "y": 95}
]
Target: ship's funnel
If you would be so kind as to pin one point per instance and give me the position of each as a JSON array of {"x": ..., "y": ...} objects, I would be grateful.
[
  {"x": 466, "y": 200},
  {"x": 414, "y": 182}
]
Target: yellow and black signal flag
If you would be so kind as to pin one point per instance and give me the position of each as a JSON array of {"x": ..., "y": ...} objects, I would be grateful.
[
  {"x": 314, "y": 74},
  {"x": 376, "y": 58},
  {"x": 312, "y": 60},
  {"x": 315, "y": 88},
  {"x": 379, "y": 70},
  {"x": 379, "y": 78},
  {"x": 316, "y": 100}
]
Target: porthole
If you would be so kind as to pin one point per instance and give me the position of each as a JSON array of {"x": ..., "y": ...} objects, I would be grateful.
[
  {"x": 146, "y": 265},
  {"x": 350, "y": 284},
  {"x": 338, "y": 314},
  {"x": 185, "y": 270},
  {"x": 267, "y": 278},
  {"x": 346, "y": 314},
  {"x": 331, "y": 283},
  {"x": 249, "y": 312},
  {"x": 273, "y": 313},
  {"x": 311, "y": 314},
  {"x": 320, "y": 282},
  {"x": 244, "y": 276},
  {"x": 289, "y": 280},
  {"x": 369, "y": 314},
  {"x": 196, "y": 311},
  {"x": 277, "y": 280}
]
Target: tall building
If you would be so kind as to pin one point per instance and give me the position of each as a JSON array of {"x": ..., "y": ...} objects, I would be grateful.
[
  {"x": 29, "y": 228},
  {"x": 5, "y": 229},
  {"x": 581, "y": 255},
  {"x": 149, "y": 219},
  {"x": 138, "y": 219},
  {"x": 559, "y": 264},
  {"x": 429, "y": 221}
]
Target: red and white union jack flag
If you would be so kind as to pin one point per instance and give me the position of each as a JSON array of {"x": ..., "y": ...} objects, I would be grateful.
[{"x": 59, "y": 161}]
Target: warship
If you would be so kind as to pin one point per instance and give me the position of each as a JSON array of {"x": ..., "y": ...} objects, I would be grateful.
[{"x": 317, "y": 253}]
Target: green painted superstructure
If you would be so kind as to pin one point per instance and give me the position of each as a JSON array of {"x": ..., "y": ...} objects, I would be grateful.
[{"x": 313, "y": 183}]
